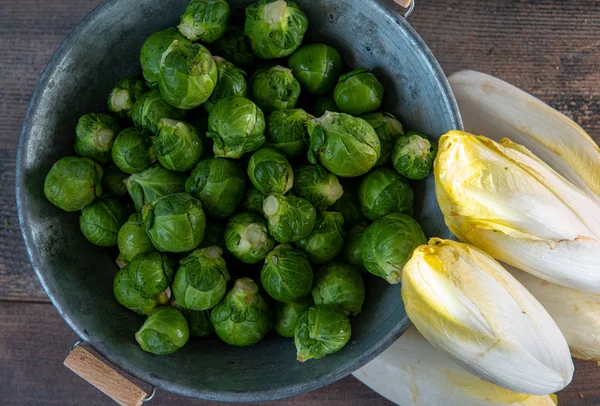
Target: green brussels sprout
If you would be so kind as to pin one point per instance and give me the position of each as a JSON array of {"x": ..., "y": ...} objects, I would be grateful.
[
  {"x": 286, "y": 275},
  {"x": 347, "y": 146},
  {"x": 349, "y": 208},
  {"x": 219, "y": 184},
  {"x": 286, "y": 315},
  {"x": 275, "y": 89},
  {"x": 178, "y": 145},
  {"x": 152, "y": 50},
  {"x": 164, "y": 331},
  {"x": 287, "y": 131},
  {"x": 188, "y": 75},
  {"x": 290, "y": 218},
  {"x": 95, "y": 134},
  {"x": 319, "y": 187},
  {"x": 233, "y": 47},
  {"x": 253, "y": 200},
  {"x": 324, "y": 104},
  {"x": 100, "y": 221},
  {"x": 132, "y": 238},
  {"x": 214, "y": 234},
  {"x": 327, "y": 238},
  {"x": 175, "y": 223},
  {"x": 247, "y": 238},
  {"x": 154, "y": 182},
  {"x": 358, "y": 92},
  {"x": 237, "y": 126},
  {"x": 150, "y": 108},
  {"x": 205, "y": 20},
  {"x": 124, "y": 95},
  {"x": 384, "y": 192},
  {"x": 388, "y": 243},
  {"x": 388, "y": 129},
  {"x": 275, "y": 28},
  {"x": 201, "y": 280},
  {"x": 231, "y": 82},
  {"x": 413, "y": 155},
  {"x": 319, "y": 331},
  {"x": 270, "y": 172},
  {"x": 73, "y": 183},
  {"x": 243, "y": 317},
  {"x": 199, "y": 322},
  {"x": 352, "y": 253},
  {"x": 133, "y": 151},
  {"x": 340, "y": 285},
  {"x": 113, "y": 182},
  {"x": 317, "y": 67}
]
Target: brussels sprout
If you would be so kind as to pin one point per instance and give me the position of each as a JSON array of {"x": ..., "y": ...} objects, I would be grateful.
[
  {"x": 154, "y": 182},
  {"x": 132, "y": 238},
  {"x": 152, "y": 51},
  {"x": 247, "y": 238},
  {"x": 164, "y": 332},
  {"x": 340, "y": 285},
  {"x": 237, "y": 126},
  {"x": 133, "y": 151},
  {"x": 113, "y": 182},
  {"x": 100, "y": 221},
  {"x": 388, "y": 243},
  {"x": 319, "y": 331},
  {"x": 388, "y": 129},
  {"x": 95, "y": 136},
  {"x": 214, "y": 234},
  {"x": 324, "y": 104},
  {"x": 73, "y": 183},
  {"x": 413, "y": 155},
  {"x": 349, "y": 208},
  {"x": 384, "y": 192},
  {"x": 275, "y": 89},
  {"x": 178, "y": 145},
  {"x": 327, "y": 238},
  {"x": 275, "y": 28},
  {"x": 132, "y": 286},
  {"x": 204, "y": 20},
  {"x": 287, "y": 131},
  {"x": 201, "y": 280},
  {"x": 253, "y": 200},
  {"x": 233, "y": 47},
  {"x": 270, "y": 172},
  {"x": 358, "y": 92},
  {"x": 318, "y": 186},
  {"x": 286, "y": 315},
  {"x": 219, "y": 183},
  {"x": 317, "y": 67},
  {"x": 150, "y": 108},
  {"x": 352, "y": 253},
  {"x": 175, "y": 223},
  {"x": 124, "y": 95},
  {"x": 243, "y": 317},
  {"x": 188, "y": 75},
  {"x": 199, "y": 322},
  {"x": 290, "y": 218},
  {"x": 231, "y": 82},
  {"x": 286, "y": 275},
  {"x": 345, "y": 145}
]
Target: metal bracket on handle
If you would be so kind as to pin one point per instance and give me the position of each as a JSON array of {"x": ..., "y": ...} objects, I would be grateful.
[
  {"x": 410, "y": 9},
  {"x": 409, "y": 5}
]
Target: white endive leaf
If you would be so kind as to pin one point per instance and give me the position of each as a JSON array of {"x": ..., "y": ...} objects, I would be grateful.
[
  {"x": 576, "y": 313},
  {"x": 412, "y": 373},
  {"x": 498, "y": 109},
  {"x": 504, "y": 200},
  {"x": 473, "y": 311}
]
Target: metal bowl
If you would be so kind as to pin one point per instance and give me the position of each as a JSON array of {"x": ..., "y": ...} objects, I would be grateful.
[{"x": 77, "y": 276}]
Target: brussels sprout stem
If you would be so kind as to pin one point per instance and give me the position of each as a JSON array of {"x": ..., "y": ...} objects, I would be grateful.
[
  {"x": 254, "y": 236},
  {"x": 332, "y": 191},
  {"x": 163, "y": 297},
  {"x": 274, "y": 12},
  {"x": 213, "y": 252},
  {"x": 121, "y": 100},
  {"x": 104, "y": 137},
  {"x": 270, "y": 206},
  {"x": 245, "y": 286}
]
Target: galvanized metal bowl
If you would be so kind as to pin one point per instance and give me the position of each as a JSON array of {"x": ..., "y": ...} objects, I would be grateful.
[{"x": 77, "y": 276}]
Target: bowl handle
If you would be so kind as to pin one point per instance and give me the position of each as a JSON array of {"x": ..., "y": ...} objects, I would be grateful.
[
  {"x": 409, "y": 5},
  {"x": 104, "y": 378}
]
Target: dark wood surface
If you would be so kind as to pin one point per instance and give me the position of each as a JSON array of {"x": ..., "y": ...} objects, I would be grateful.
[{"x": 550, "y": 48}]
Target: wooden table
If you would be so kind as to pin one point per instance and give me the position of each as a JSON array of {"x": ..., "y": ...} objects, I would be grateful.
[{"x": 551, "y": 48}]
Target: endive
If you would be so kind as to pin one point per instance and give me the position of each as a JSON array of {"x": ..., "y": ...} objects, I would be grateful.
[
  {"x": 473, "y": 311},
  {"x": 497, "y": 109},
  {"x": 412, "y": 372},
  {"x": 504, "y": 200}
]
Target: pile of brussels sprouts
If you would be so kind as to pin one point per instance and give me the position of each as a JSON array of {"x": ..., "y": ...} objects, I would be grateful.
[{"x": 225, "y": 172}]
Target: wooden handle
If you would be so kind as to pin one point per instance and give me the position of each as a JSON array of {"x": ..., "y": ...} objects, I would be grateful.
[
  {"x": 404, "y": 3},
  {"x": 104, "y": 378}
]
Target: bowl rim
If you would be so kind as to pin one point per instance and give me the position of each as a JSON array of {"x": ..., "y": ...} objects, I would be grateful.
[{"x": 394, "y": 16}]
